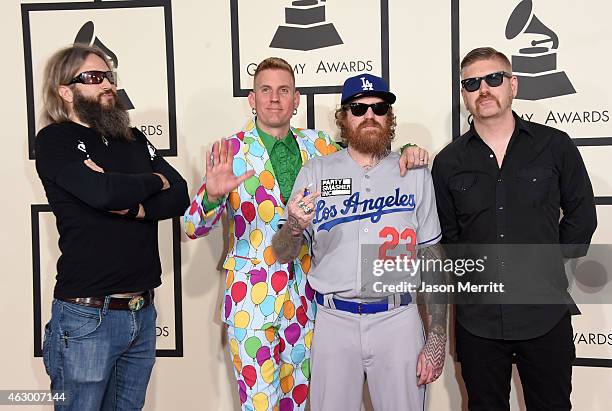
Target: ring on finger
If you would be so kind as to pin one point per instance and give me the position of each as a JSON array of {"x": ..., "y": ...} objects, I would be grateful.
[{"x": 306, "y": 209}]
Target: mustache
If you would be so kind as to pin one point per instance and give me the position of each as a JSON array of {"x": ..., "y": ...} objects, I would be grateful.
[
  {"x": 108, "y": 92},
  {"x": 486, "y": 96},
  {"x": 369, "y": 122}
]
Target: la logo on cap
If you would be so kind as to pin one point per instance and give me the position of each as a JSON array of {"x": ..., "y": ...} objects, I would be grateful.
[{"x": 366, "y": 85}]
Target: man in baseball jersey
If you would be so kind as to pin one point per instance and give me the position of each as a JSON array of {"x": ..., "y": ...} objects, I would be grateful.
[
  {"x": 365, "y": 204},
  {"x": 267, "y": 304}
]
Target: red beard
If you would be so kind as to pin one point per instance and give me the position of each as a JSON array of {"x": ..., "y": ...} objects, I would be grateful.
[{"x": 374, "y": 140}]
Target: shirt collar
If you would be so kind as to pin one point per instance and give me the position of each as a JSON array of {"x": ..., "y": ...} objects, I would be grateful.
[
  {"x": 270, "y": 141},
  {"x": 520, "y": 125}
]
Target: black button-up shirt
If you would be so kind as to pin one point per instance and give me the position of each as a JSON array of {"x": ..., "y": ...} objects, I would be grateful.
[{"x": 516, "y": 205}]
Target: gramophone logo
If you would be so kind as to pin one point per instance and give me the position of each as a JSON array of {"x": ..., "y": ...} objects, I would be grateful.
[
  {"x": 536, "y": 66},
  {"x": 305, "y": 28},
  {"x": 318, "y": 38},
  {"x": 87, "y": 37}
]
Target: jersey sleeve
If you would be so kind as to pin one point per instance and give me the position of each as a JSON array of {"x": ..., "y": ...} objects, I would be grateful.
[{"x": 428, "y": 231}]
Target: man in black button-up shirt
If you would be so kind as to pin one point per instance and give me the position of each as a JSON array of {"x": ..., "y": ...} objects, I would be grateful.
[
  {"x": 502, "y": 185},
  {"x": 108, "y": 189}
]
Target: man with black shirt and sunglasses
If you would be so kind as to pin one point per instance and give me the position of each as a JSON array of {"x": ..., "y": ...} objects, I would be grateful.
[
  {"x": 500, "y": 188},
  {"x": 108, "y": 188},
  {"x": 366, "y": 213}
]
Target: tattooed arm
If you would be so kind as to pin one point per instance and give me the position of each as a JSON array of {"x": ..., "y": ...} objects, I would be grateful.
[
  {"x": 431, "y": 359},
  {"x": 287, "y": 241}
]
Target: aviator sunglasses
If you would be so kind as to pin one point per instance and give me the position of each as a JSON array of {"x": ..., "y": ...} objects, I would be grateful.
[
  {"x": 93, "y": 77},
  {"x": 493, "y": 80},
  {"x": 359, "y": 109}
]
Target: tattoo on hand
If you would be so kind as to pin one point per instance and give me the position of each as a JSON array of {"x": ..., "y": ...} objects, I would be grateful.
[
  {"x": 286, "y": 244},
  {"x": 435, "y": 346},
  {"x": 294, "y": 225},
  {"x": 435, "y": 351}
]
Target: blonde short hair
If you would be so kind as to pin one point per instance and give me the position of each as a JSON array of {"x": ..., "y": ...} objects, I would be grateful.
[{"x": 274, "y": 63}]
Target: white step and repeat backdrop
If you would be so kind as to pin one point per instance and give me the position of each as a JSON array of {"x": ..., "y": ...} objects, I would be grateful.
[{"x": 185, "y": 68}]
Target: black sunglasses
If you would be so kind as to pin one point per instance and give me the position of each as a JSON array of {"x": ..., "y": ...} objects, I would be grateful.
[
  {"x": 93, "y": 77},
  {"x": 359, "y": 109},
  {"x": 493, "y": 80}
]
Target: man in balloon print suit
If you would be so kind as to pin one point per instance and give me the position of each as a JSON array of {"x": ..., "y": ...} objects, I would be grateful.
[{"x": 267, "y": 305}]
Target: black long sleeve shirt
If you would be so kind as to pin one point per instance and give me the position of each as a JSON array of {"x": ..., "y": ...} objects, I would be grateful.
[
  {"x": 511, "y": 207},
  {"x": 104, "y": 253}
]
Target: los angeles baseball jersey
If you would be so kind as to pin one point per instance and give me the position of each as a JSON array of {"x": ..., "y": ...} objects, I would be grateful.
[{"x": 362, "y": 216}]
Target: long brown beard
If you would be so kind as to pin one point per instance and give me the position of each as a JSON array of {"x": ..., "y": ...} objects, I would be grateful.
[
  {"x": 371, "y": 141},
  {"x": 112, "y": 121}
]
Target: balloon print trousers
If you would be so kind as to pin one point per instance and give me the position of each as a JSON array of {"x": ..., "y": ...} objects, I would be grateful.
[{"x": 272, "y": 366}]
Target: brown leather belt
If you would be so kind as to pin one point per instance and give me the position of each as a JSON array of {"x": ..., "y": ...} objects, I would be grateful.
[{"x": 132, "y": 304}]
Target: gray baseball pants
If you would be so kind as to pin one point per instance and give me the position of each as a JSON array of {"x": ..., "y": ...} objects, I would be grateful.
[{"x": 384, "y": 347}]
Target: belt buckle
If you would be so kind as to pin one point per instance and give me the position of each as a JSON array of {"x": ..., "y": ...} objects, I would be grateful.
[{"x": 136, "y": 303}]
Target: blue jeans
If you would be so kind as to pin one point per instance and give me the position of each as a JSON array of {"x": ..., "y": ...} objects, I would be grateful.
[{"x": 102, "y": 358}]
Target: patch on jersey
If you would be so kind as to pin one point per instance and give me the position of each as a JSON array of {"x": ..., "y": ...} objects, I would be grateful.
[{"x": 336, "y": 187}]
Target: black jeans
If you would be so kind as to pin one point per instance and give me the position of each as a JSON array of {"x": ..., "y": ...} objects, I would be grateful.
[{"x": 544, "y": 365}]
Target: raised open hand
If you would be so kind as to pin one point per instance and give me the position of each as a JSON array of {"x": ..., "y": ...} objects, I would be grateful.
[{"x": 220, "y": 178}]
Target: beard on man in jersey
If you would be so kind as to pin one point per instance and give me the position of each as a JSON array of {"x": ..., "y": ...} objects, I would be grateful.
[
  {"x": 111, "y": 120},
  {"x": 369, "y": 136}
]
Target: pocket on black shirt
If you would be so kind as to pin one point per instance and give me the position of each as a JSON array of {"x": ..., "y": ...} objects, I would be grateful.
[
  {"x": 467, "y": 191},
  {"x": 534, "y": 185}
]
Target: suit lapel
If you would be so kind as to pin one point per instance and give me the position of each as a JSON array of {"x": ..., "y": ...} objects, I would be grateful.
[{"x": 301, "y": 141}]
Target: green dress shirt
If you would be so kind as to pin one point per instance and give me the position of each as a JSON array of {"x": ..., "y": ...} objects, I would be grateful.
[{"x": 285, "y": 158}]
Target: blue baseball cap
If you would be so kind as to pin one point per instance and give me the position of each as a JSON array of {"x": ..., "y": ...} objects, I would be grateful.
[{"x": 366, "y": 85}]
